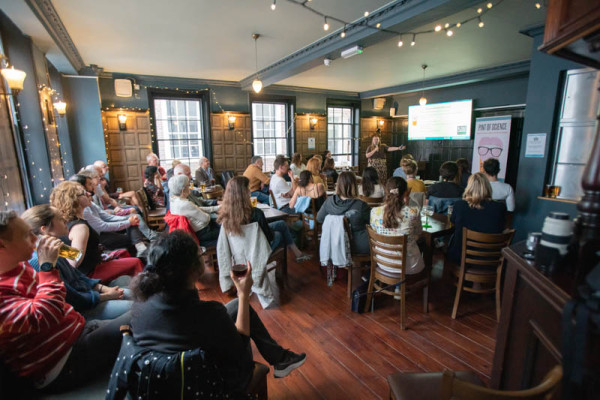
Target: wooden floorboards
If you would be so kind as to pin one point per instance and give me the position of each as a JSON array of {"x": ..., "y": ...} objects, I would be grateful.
[{"x": 349, "y": 355}]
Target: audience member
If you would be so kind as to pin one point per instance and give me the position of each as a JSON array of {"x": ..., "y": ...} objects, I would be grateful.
[
  {"x": 410, "y": 169},
  {"x": 297, "y": 165},
  {"x": 258, "y": 180},
  {"x": 102, "y": 169},
  {"x": 194, "y": 196},
  {"x": 71, "y": 199},
  {"x": 447, "y": 188},
  {"x": 171, "y": 171},
  {"x": 307, "y": 187},
  {"x": 153, "y": 186},
  {"x": 396, "y": 218},
  {"x": 236, "y": 210},
  {"x": 345, "y": 202},
  {"x": 41, "y": 337},
  {"x": 326, "y": 156},
  {"x": 370, "y": 186},
  {"x": 500, "y": 191},
  {"x": 282, "y": 190},
  {"x": 464, "y": 172},
  {"x": 87, "y": 296},
  {"x": 204, "y": 173},
  {"x": 477, "y": 211},
  {"x": 399, "y": 172},
  {"x": 314, "y": 166},
  {"x": 329, "y": 169},
  {"x": 152, "y": 160},
  {"x": 206, "y": 229}
]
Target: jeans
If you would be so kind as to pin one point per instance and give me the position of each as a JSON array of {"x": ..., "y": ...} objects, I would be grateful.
[
  {"x": 110, "y": 309},
  {"x": 261, "y": 196},
  {"x": 276, "y": 240},
  {"x": 286, "y": 209},
  {"x": 146, "y": 231},
  {"x": 282, "y": 228},
  {"x": 209, "y": 235}
]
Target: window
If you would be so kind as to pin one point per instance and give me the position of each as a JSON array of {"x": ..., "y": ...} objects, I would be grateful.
[
  {"x": 339, "y": 135},
  {"x": 179, "y": 130},
  {"x": 270, "y": 131}
]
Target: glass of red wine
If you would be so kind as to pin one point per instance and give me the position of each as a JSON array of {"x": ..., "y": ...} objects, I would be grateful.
[{"x": 238, "y": 270}]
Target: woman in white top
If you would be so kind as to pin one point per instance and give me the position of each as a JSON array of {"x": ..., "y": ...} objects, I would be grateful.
[
  {"x": 370, "y": 186},
  {"x": 395, "y": 218},
  {"x": 206, "y": 229},
  {"x": 297, "y": 166}
]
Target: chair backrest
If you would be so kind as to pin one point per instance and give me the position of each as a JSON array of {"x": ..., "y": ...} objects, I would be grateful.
[
  {"x": 454, "y": 388},
  {"x": 273, "y": 201},
  {"x": 330, "y": 183},
  {"x": 180, "y": 222},
  {"x": 226, "y": 176},
  {"x": 372, "y": 201},
  {"x": 143, "y": 201},
  {"x": 440, "y": 204},
  {"x": 387, "y": 251},
  {"x": 309, "y": 217},
  {"x": 484, "y": 249}
]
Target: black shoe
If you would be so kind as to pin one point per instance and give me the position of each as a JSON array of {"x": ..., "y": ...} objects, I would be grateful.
[{"x": 290, "y": 362}]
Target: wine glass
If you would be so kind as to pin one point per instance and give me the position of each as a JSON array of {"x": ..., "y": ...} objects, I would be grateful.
[{"x": 427, "y": 211}]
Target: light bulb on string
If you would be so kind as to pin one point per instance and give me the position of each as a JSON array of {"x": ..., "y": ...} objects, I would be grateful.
[
  {"x": 343, "y": 34},
  {"x": 437, "y": 28},
  {"x": 458, "y": 24},
  {"x": 489, "y": 5},
  {"x": 447, "y": 25},
  {"x": 378, "y": 25},
  {"x": 479, "y": 10},
  {"x": 326, "y": 25},
  {"x": 414, "y": 40},
  {"x": 274, "y": 5},
  {"x": 481, "y": 24},
  {"x": 400, "y": 42},
  {"x": 538, "y": 5},
  {"x": 449, "y": 33},
  {"x": 366, "y": 14}
]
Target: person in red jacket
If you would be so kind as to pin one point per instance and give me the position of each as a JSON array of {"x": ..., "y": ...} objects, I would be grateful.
[{"x": 42, "y": 338}]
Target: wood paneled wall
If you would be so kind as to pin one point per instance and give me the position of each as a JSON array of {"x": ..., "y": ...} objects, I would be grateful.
[
  {"x": 303, "y": 132},
  {"x": 126, "y": 151},
  {"x": 232, "y": 149}
]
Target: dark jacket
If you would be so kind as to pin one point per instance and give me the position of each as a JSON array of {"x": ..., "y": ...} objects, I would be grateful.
[
  {"x": 445, "y": 190},
  {"x": 358, "y": 214},
  {"x": 489, "y": 219},
  {"x": 331, "y": 173}
]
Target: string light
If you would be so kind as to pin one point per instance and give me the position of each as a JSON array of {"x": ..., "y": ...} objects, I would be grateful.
[
  {"x": 274, "y": 5},
  {"x": 481, "y": 24},
  {"x": 437, "y": 28},
  {"x": 400, "y": 42},
  {"x": 366, "y": 14},
  {"x": 449, "y": 32},
  {"x": 378, "y": 25},
  {"x": 326, "y": 25},
  {"x": 538, "y": 5},
  {"x": 458, "y": 24},
  {"x": 489, "y": 5},
  {"x": 479, "y": 10},
  {"x": 414, "y": 40},
  {"x": 343, "y": 34}
]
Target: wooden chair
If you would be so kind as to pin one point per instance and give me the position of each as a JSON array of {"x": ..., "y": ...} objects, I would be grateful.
[
  {"x": 372, "y": 201},
  {"x": 465, "y": 386},
  {"x": 215, "y": 194},
  {"x": 330, "y": 184},
  {"x": 481, "y": 263},
  {"x": 359, "y": 261},
  {"x": 273, "y": 199},
  {"x": 309, "y": 217},
  {"x": 154, "y": 218},
  {"x": 390, "y": 252}
]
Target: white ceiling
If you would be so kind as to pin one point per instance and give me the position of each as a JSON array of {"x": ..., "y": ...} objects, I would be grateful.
[{"x": 211, "y": 39}]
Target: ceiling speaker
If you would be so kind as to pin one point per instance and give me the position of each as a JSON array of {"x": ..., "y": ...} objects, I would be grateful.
[{"x": 123, "y": 88}]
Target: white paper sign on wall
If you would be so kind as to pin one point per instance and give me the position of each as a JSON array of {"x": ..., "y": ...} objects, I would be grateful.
[{"x": 311, "y": 143}]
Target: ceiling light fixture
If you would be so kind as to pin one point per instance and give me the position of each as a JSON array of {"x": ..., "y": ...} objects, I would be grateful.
[
  {"x": 481, "y": 24},
  {"x": 326, "y": 25},
  {"x": 414, "y": 40},
  {"x": 400, "y": 42},
  {"x": 366, "y": 14},
  {"x": 343, "y": 34},
  {"x": 256, "y": 84},
  {"x": 423, "y": 99},
  {"x": 274, "y": 5}
]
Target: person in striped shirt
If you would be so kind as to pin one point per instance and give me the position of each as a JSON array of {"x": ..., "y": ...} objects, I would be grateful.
[{"x": 42, "y": 338}]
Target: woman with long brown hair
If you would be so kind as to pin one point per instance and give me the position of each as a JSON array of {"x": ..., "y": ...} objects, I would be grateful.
[
  {"x": 329, "y": 169},
  {"x": 396, "y": 218},
  {"x": 307, "y": 187},
  {"x": 70, "y": 198},
  {"x": 370, "y": 185},
  {"x": 236, "y": 210},
  {"x": 297, "y": 166}
]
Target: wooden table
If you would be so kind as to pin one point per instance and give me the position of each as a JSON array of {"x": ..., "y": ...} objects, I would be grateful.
[
  {"x": 440, "y": 226},
  {"x": 273, "y": 214}
]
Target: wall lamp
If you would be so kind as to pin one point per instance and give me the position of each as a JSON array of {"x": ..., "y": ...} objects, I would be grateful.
[
  {"x": 14, "y": 77},
  {"x": 122, "y": 122},
  {"x": 61, "y": 108},
  {"x": 380, "y": 124},
  {"x": 231, "y": 122},
  {"x": 313, "y": 123}
]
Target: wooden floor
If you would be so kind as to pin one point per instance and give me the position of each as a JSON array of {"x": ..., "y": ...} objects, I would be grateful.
[{"x": 350, "y": 355}]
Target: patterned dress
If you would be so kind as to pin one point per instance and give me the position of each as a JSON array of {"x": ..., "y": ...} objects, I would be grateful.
[
  {"x": 378, "y": 161},
  {"x": 410, "y": 225}
]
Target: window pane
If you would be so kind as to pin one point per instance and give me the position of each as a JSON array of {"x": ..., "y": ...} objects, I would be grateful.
[{"x": 269, "y": 131}]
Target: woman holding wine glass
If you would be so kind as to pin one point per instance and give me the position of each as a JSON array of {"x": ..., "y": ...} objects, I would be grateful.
[{"x": 376, "y": 156}]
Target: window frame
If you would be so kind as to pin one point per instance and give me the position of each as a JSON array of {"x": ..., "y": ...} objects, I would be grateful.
[
  {"x": 168, "y": 94},
  {"x": 290, "y": 106},
  {"x": 355, "y": 130}
]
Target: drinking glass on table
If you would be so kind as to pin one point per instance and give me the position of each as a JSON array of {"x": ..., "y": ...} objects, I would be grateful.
[
  {"x": 427, "y": 211},
  {"x": 254, "y": 201},
  {"x": 533, "y": 239},
  {"x": 450, "y": 211},
  {"x": 202, "y": 186}
]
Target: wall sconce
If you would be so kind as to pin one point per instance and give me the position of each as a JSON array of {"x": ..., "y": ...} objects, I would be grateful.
[
  {"x": 61, "y": 108},
  {"x": 231, "y": 122},
  {"x": 14, "y": 77},
  {"x": 313, "y": 123},
  {"x": 122, "y": 122},
  {"x": 380, "y": 124}
]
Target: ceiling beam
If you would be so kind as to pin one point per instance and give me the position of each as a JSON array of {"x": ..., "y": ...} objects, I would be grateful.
[
  {"x": 479, "y": 75},
  {"x": 400, "y": 16}
]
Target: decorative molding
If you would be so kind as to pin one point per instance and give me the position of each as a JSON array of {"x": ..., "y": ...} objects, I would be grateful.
[
  {"x": 479, "y": 75},
  {"x": 46, "y": 13}
]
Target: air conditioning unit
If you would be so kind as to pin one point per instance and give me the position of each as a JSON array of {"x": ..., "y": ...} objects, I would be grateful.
[
  {"x": 123, "y": 88},
  {"x": 378, "y": 103}
]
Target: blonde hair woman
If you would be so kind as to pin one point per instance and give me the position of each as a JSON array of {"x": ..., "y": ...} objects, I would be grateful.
[
  {"x": 477, "y": 212},
  {"x": 376, "y": 156},
  {"x": 314, "y": 166}
]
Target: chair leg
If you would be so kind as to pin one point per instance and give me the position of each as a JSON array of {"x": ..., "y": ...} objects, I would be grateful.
[
  {"x": 350, "y": 270},
  {"x": 498, "y": 279},
  {"x": 369, "y": 294},
  {"x": 426, "y": 299},
  {"x": 459, "y": 288},
  {"x": 403, "y": 306}
]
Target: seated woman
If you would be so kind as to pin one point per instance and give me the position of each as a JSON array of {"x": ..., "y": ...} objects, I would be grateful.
[
  {"x": 345, "y": 202},
  {"x": 477, "y": 211},
  {"x": 297, "y": 165},
  {"x": 206, "y": 229},
  {"x": 329, "y": 169},
  {"x": 236, "y": 210},
  {"x": 370, "y": 186},
  {"x": 70, "y": 198},
  {"x": 415, "y": 185},
  {"x": 314, "y": 166},
  {"x": 396, "y": 218},
  {"x": 307, "y": 187},
  {"x": 168, "y": 316},
  {"x": 87, "y": 296},
  {"x": 153, "y": 186}
]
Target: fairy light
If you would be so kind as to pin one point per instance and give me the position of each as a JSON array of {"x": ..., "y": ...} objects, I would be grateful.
[{"x": 326, "y": 25}]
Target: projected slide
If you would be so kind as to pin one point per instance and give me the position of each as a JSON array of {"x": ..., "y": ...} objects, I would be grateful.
[{"x": 440, "y": 121}]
